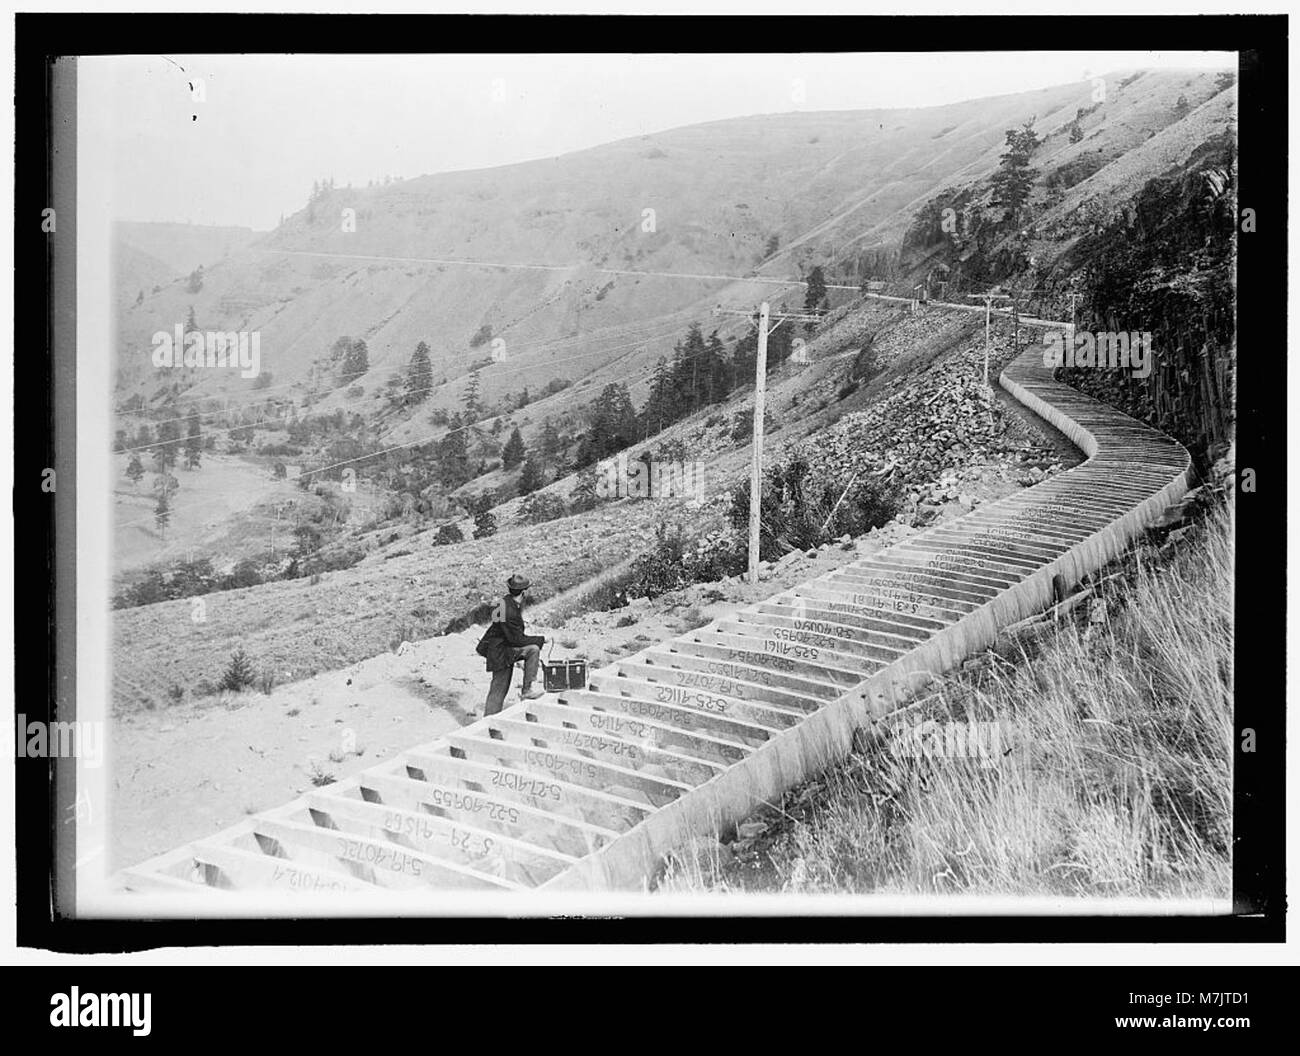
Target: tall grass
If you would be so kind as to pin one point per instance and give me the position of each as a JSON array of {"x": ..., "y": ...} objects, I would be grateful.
[{"x": 1118, "y": 779}]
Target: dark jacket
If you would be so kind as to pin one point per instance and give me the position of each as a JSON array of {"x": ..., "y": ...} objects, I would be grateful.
[{"x": 505, "y": 634}]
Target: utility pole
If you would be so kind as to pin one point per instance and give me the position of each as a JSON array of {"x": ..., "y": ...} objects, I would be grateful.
[
  {"x": 760, "y": 390},
  {"x": 756, "y": 468},
  {"x": 988, "y": 298}
]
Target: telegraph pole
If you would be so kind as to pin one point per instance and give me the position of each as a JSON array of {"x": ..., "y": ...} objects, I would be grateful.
[
  {"x": 760, "y": 390},
  {"x": 756, "y": 468},
  {"x": 988, "y": 298}
]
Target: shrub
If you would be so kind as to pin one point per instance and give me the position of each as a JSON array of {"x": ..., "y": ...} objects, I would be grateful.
[
  {"x": 485, "y": 524},
  {"x": 742, "y": 425},
  {"x": 540, "y": 507},
  {"x": 799, "y": 512},
  {"x": 447, "y": 534},
  {"x": 238, "y": 676},
  {"x": 671, "y": 564}
]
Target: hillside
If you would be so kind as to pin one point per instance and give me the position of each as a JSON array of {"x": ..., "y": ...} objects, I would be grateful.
[
  {"x": 767, "y": 195},
  {"x": 886, "y": 396}
]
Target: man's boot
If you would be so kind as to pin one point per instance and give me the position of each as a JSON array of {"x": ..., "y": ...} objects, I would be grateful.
[{"x": 531, "y": 693}]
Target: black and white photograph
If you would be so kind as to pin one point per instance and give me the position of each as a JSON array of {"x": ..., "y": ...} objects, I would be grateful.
[{"x": 644, "y": 477}]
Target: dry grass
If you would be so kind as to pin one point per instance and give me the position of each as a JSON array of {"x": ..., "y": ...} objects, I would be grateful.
[{"x": 1117, "y": 780}]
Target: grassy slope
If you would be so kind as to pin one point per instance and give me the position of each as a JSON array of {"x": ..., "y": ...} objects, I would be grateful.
[
  {"x": 816, "y": 179},
  {"x": 408, "y": 588},
  {"x": 1116, "y": 777}
]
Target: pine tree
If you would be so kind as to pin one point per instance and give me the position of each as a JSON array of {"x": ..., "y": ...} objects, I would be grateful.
[
  {"x": 453, "y": 455},
  {"x": 169, "y": 443},
  {"x": 655, "y": 414},
  {"x": 485, "y": 521},
  {"x": 815, "y": 298},
  {"x": 473, "y": 407},
  {"x": 239, "y": 673},
  {"x": 162, "y": 512},
  {"x": 716, "y": 372},
  {"x": 1014, "y": 179},
  {"x": 532, "y": 477},
  {"x": 612, "y": 425},
  {"x": 552, "y": 445},
  {"x": 134, "y": 469},
  {"x": 513, "y": 453},
  {"x": 193, "y": 441},
  {"x": 419, "y": 374},
  {"x": 191, "y": 324},
  {"x": 356, "y": 362},
  {"x": 688, "y": 363}
]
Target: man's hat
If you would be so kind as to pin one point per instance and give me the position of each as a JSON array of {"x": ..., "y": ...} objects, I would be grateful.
[{"x": 517, "y": 584}]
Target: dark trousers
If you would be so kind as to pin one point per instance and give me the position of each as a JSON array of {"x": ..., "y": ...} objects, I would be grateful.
[{"x": 530, "y": 654}]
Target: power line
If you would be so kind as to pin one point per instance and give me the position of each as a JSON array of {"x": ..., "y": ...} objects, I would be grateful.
[
  {"x": 254, "y": 396},
  {"x": 432, "y": 438},
  {"x": 281, "y": 417}
]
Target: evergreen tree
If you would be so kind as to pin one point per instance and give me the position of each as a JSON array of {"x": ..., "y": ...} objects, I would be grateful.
[
  {"x": 485, "y": 521},
  {"x": 134, "y": 469},
  {"x": 193, "y": 441},
  {"x": 532, "y": 477},
  {"x": 239, "y": 674},
  {"x": 191, "y": 324},
  {"x": 419, "y": 375},
  {"x": 162, "y": 512},
  {"x": 612, "y": 425},
  {"x": 513, "y": 453},
  {"x": 815, "y": 298},
  {"x": 716, "y": 371},
  {"x": 169, "y": 443},
  {"x": 473, "y": 405},
  {"x": 688, "y": 364},
  {"x": 1182, "y": 108},
  {"x": 656, "y": 414},
  {"x": 453, "y": 455},
  {"x": 552, "y": 445},
  {"x": 356, "y": 362},
  {"x": 1014, "y": 179}
]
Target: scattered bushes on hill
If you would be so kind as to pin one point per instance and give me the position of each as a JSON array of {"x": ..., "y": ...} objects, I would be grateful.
[
  {"x": 448, "y": 534},
  {"x": 239, "y": 674},
  {"x": 1076, "y": 171},
  {"x": 742, "y": 425},
  {"x": 672, "y": 563},
  {"x": 799, "y": 512},
  {"x": 541, "y": 507}
]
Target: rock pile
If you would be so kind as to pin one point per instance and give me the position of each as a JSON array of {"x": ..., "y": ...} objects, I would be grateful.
[{"x": 936, "y": 432}]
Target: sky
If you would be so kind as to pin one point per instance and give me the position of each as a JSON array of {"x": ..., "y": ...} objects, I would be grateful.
[{"x": 267, "y": 126}]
